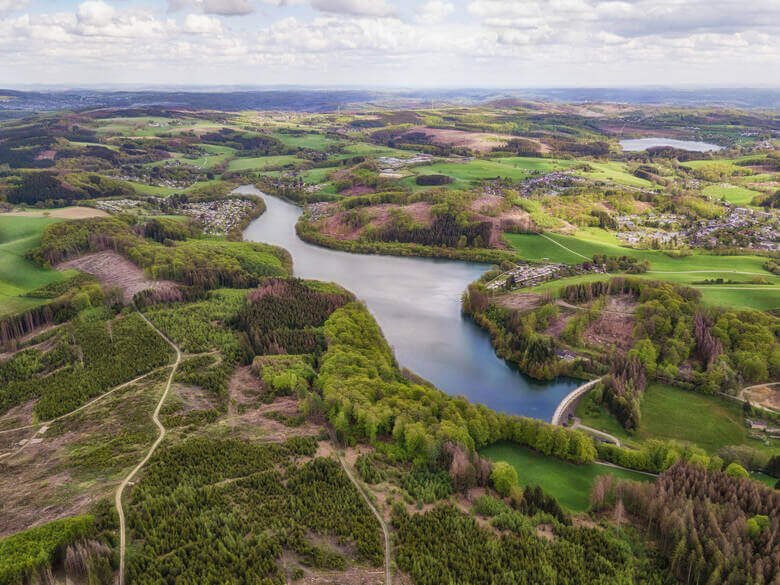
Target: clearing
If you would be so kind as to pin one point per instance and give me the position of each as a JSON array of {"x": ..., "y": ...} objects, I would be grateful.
[
  {"x": 569, "y": 483},
  {"x": 113, "y": 270}
]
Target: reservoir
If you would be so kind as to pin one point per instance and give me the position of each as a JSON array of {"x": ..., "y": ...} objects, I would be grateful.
[
  {"x": 416, "y": 302},
  {"x": 639, "y": 144}
]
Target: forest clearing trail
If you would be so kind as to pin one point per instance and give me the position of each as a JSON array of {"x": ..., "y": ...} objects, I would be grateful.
[
  {"x": 137, "y": 468},
  {"x": 88, "y": 404},
  {"x": 385, "y": 531}
]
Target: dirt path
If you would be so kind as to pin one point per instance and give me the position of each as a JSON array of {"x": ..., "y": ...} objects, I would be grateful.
[
  {"x": 564, "y": 247},
  {"x": 83, "y": 406},
  {"x": 578, "y": 425},
  {"x": 160, "y": 437},
  {"x": 614, "y": 466},
  {"x": 385, "y": 531}
]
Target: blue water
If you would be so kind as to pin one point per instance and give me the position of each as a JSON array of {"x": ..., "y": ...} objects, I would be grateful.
[{"x": 416, "y": 301}]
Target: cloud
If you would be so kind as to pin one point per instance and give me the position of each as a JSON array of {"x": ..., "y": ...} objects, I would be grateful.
[
  {"x": 218, "y": 7},
  {"x": 95, "y": 13},
  {"x": 354, "y": 7},
  {"x": 202, "y": 24},
  {"x": 12, "y": 5},
  {"x": 434, "y": 12}
]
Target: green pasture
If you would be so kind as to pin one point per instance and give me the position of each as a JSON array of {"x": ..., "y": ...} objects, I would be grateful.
[
  {"x": 18, "y": 276},
  {"x": 569, "y": 483},
  {"x": 614, "y": 172},
  {"x": 731, "y": 193},
  {"x": 261, "y": 162},
  {"x": 544, "y": 165},
  {"x": 366, "y": 149},
  {"x": 311, "y": 141},
  {"x": 670, "y": 413},
  {"x": 685, "y": 271}
]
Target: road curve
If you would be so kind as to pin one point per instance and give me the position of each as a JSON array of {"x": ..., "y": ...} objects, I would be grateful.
[
  {"x": 137, "y": 468},
  {"x": 569, "y": 398}
]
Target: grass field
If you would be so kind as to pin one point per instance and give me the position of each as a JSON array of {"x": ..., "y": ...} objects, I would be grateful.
[
  {"x": 614, "y": 172},
  {"x": 366, "y": 148},
  {"x": 464, "y": 174},
  {"x": 261, "y": 162},
  {"x": 709, "y": 422},
  {"x": 731, "y": 193},
  {"x": 685, "y": 271},
  {"x": 590, "y": 241},
  {"x": 310, "y": 141},
  {"x": 18, "y": 275},
  {"x": 544, "y": 165},
  {"x": 569, "y": 483}
]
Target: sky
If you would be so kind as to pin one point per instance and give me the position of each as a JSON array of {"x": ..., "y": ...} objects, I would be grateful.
[{"x": 391, "y": 43}]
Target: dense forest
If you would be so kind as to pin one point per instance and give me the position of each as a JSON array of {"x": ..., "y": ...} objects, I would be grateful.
[{"x": 211, "y": 511}]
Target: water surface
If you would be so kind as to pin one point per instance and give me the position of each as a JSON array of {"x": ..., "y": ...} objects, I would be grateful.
[
  {"x": 416, "y": 301},
  {"x": 638, "y": 144}
]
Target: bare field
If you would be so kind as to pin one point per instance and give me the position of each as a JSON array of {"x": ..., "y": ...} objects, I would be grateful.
[
  {"x": 64, "y": 213},
  {"x": 114, "y": 270},
  {"x": 481, "y": 142}
]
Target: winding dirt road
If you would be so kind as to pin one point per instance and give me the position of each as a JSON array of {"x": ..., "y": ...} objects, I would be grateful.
[{"x": 137, "y": 468}]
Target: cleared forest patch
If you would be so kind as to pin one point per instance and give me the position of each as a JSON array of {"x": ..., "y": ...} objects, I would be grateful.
[{"x": 113, "y": 270}]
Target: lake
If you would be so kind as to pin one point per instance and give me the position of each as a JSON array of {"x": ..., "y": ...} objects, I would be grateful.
[
  {"x": 638, "y": 144},
  {"x": 416, "y": 301}
]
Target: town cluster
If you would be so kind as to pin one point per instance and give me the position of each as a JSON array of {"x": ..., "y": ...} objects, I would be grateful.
[
  {"x": 739, "y": 227},
  {"x": 526, "y": 275}
]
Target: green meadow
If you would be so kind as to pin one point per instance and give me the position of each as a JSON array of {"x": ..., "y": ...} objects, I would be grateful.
[
  {"x": 569, "y": 483},
  {"x": 670, "y": 413},
  {"x": 262, "y": 162},
  {"x": 309, "y": 141},
  {"x": 18, "y": 275},
  {"x": 731, "y": 193},
  {"x": 686, "y": 270}
]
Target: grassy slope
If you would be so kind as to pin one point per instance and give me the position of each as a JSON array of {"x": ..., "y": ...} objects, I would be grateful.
[
  {"x": 732, "y": 193},
  {"x": 17, "y": 275},
  {"x": 684, "y": 271},
  {"x": 709, "y": 422},
  {"x": 261, "y": 162},
  {"x": 569, "y": 483}
]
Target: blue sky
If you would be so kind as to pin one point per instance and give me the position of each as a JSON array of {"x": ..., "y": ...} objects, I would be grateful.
[{"x": 475, "y": 43}]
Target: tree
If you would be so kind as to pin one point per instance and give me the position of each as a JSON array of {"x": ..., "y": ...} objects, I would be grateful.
[
  {"x": 504, "y": 477},
  {"x": 736, "y": 470}
]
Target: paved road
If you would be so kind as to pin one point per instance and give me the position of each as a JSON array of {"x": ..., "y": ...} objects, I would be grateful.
[{"x": 160, "y": 437}]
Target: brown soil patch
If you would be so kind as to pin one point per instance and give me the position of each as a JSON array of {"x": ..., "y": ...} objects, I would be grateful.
[
  {"x": 556, "y": 327},
  {"x": 357, "y": 190},
  {"x": 545, "y": 531},
  {"x": 518, "y": 300},
  {"x": 18, "y": 416},
  {"x": 615, "y": 325},
  {"x": 335, "y": 227},
  {"x": 114, "y": 270},
  {"x": 478, "y": 141},
  {"x": 767, "y": 395},
  {"x": 254, "y": 423},
  {"x": 52, "y": 475},
  {"x": 65, "y": 213},
  {"x": 488, "y": 202}
]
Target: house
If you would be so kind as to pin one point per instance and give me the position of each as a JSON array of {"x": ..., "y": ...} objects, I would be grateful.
[{"x": 756, "y": 425}]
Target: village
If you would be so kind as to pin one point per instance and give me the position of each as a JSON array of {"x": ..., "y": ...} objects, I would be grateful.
[
  {"x": 218, "y": 216},
  {"x": 526, "y": 275},
  {"x": 740, "y": 227}
]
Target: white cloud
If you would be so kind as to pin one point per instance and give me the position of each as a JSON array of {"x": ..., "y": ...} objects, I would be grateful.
[
  {"x": 218, "y": 7},
  {"x": 434, "y": 12},
  {"x": 360, "y": 41},
  {"x": 12, "y": 5},
  {"x": 354, "y": 7},
  {"x": 202, "y": 24},
  {"x": 95, "y": 13}
]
